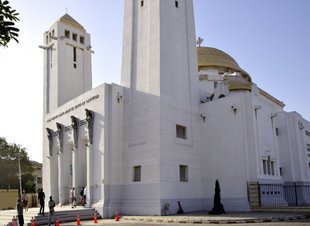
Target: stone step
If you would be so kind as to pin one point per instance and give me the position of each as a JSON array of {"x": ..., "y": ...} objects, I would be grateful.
[{"x": 64, "y": 214}]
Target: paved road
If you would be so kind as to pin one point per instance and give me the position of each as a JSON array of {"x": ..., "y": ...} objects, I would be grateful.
[{"x": 305, "y": 222}]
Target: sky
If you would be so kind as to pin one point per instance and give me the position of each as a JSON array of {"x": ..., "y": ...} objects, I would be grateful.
[{"x": 270, "y": 39}]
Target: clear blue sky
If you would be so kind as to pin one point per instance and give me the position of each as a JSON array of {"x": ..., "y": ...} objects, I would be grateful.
[{"x": 270, "y": 39}]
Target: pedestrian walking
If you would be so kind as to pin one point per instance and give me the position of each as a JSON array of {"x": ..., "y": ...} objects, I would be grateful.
[
  {"x": 51, "y": 205},
  {"x": 25, "y": 200},
  {"x": 72, "y": 197},
  {"x": 41, "y": 197},
  {"x": 84, "y": 196},
  {"x": 82, "y": 202},
  {"x": 20, "y": 211}
]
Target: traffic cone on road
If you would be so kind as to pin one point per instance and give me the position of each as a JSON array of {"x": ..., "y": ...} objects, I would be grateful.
[
  {"x": 57, "y": 222},
  {"x": 32, "y": 222},
  {"x": 14, "y": 221},
  {"x": 116, "y": 217},
  {"x": 78, "y": 222},
  {"x": 95, "y": 218}
]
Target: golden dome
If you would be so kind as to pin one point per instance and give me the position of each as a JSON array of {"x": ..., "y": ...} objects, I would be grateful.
[
  {"x": 67, "y": 19},
  {"x": 212, "y": 57}
]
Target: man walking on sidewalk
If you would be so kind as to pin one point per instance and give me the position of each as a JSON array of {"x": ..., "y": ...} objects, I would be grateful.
[{"x": 51, "y": 205}]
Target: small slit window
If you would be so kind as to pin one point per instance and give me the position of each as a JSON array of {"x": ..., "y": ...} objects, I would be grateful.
[
  {"x": 183, "y": 173},
  {"x": 136, "y": 174},
  {"x": 141, "y": 3},
  {"x": 177, "y": 4},
  {"x": 181, "y": 132}
]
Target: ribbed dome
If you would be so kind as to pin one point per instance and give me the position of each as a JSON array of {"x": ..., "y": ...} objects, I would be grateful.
[
  {"x": 67, "y": 19},
  {"x": 212, "y": 57}
]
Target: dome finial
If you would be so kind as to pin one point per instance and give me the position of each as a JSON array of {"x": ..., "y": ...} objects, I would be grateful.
[{"x": 199, "y": 41}]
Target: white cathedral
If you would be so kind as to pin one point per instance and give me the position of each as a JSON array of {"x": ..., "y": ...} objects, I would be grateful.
[{"x": 183, "y": 116}]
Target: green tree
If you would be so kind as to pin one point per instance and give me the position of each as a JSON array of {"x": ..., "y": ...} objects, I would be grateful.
[
  {"x": 9, "y": 154},
  {"x": 8, "y": 17}
]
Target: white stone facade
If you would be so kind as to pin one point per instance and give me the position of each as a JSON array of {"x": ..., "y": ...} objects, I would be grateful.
[{"x": 169, "y": 130}]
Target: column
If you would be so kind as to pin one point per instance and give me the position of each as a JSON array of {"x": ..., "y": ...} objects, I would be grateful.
[
  {"x": 74, "y": 169},
  {"x": 89, "y": 166},
  {"x": 60, "y": 179}
]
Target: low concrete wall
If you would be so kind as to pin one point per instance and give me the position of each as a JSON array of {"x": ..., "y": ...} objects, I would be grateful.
[{"x": 8, "y": 198}]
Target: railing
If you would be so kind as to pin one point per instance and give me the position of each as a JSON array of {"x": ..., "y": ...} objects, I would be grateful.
[{"x": 287, "y": 194}]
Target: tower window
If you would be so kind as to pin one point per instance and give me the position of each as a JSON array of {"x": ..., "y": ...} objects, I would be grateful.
[
  {"x": 183, "y": 173},
  {"x": 181, "y": 132},
  {"x": 177, "y": 4},
  {"x": 74, "y": 37},
  {"x": 277, "y": 131},
  {"x": 74, "y": 57},
  {"x": 67, "y": 34},
  {"x": 74, "y": 54},
  {"x": 141, "y": 3},
  {"x": 82, "y": 39},
  {"x": 136, "y": 173}
]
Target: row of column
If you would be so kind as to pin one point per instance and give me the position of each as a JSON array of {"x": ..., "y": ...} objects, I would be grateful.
[{"x": 75, "y": 124}]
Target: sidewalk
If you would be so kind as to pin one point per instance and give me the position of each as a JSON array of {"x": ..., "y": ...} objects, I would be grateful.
[{"x": 205, "y": 218}]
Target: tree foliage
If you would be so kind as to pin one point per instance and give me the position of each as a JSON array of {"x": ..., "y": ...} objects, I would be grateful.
[
  {"x": 9, "y": 169},
  {"x": 8, "y": 17}
]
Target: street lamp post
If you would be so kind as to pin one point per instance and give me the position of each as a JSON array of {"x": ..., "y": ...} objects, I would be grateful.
[{"x": 20, "y": 177}]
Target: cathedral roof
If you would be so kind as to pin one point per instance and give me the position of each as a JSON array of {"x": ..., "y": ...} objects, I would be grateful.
[
  {"x": 212, "y": 57},
  {"x": 67, "y": 19}
]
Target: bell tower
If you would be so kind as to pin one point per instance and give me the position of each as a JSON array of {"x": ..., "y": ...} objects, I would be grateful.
[
  {"x": 67, "y": 62},
  {"x": 160, "y": 76}
]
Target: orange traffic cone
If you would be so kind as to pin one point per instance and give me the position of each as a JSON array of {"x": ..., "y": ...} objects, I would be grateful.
[
  {"x": 95, "y": 218},
  {"x": 78, "y": 222},
  {"x": 116, "y": 217},
  {"x": 14, "y": 221},
  {"x": 32, "y": 222},
  {"x": 57, "y": 222}
]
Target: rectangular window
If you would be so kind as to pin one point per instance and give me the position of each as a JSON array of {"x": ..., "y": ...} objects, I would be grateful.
[
  {"x": 82, "y": 39},
  {"x": 136, "y": 173},
  {"x": 67, "y": 34},
  {"x": 268, "y": 166},
  {"x": 74, "y": 37},
  {"x": 280, "y": 169},
  {"x": 272, "y": 168},
  {"x": 183, "y": 173},
  {"x": 307, "y": 133},
  {"x": 141, "y": 3},
  {"x": 265, "y": 166},
  {"x": 181, "y": 132}
]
